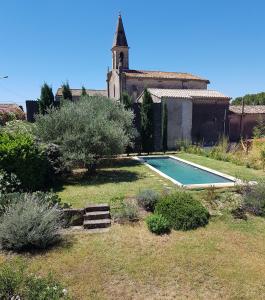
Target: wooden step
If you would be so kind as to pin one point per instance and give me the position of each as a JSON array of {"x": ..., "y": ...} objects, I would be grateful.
[
  {"x": 91, "y": 224},
  {"x": 97, "y": 207},
  {"x": 97, "y": 215}
]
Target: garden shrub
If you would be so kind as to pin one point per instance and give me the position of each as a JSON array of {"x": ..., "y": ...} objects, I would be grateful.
[
  {"x": 254, "y": 199},
  {"x": 30, "y": 224},
  {"x": 158, "y": 224},
  {"x": 148, "y": 199},
  {"x": 20, "y": 154},
  {"x": 49, "y": 198},
  {"x": 9, "y": 183},
  {"x": 182, "y": 211},
  {"x": 124, "y": 210},
  {"x": 19, "y": 127},
  {"x": 16, "y": 283}
]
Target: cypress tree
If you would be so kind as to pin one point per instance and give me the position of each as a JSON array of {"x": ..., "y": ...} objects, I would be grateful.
[
  {"x": 46, "y": 98},
  {"x": 164, "y": 126},
  {"x": 147, "y": 122},
  {"x": 83, "y": 93},
  {"x": 66, "y": 91},
  {"x": 126, "y": 100}
]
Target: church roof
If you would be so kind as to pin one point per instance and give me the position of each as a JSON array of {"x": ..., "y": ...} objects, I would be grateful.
[
  {"x": 248, "y": 109},
  {"x": 78, "y": 92},
  {"x": 162, "y": 75},
  {"x": 120, "y": 37},
  {"x": 184, "y": 94}
]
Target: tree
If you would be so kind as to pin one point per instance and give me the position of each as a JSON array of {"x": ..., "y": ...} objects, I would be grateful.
[
  {"x": 126, "y": 100},
  {"x": 259, "y": 129},
  {"x": 46, "y": 98},
  {"x": 147, "y": 122},
  {"x": 83, "y": 93},
  {"x": 66, "y": 91},
  {"x": 87, "y": 130},
  {"x": 250, "y": 99},
  {"x": 164, "y": 126}
]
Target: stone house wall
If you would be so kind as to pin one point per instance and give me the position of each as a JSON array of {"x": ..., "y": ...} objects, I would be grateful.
[{"x": 209, "y": 120}]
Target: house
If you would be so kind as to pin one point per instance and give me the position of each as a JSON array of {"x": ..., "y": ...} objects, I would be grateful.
[
  {"x": 243, "y": 119},
  {"x": 10, "y": 112},
  {"x": 76, "y": 93}
]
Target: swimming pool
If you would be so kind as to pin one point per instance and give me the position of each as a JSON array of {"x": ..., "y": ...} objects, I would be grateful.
[{"x": 187, "y": 174}]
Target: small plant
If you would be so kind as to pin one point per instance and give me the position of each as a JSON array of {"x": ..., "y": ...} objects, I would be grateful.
[
  {"x": 29, "y": 224},
  {"x": 182, "y": 211},
  {"x": 254, "y": 199},
  {"x": 148, "y": 199},
  {"x": 16, "y": 283},
  {"x": 158, "y": 224},
  {"x": 125, "y": 210}
]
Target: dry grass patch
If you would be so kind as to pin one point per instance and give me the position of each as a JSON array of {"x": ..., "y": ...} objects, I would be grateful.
[{"x": 223, "y": 260}]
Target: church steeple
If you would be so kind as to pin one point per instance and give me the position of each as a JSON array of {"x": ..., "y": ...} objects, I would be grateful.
[
  {"x": 120, "y": 49},
  {"x": 120, "y": 36}
]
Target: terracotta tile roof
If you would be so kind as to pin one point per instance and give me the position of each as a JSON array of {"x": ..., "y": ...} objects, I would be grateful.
[
  {"x": 4, "y": 107},
  {"x": 185, "y": 94},
  {"x": 78, "y": 92},
  {"x": 248, "y": 109},
  {"x": 162, "y": 75}
]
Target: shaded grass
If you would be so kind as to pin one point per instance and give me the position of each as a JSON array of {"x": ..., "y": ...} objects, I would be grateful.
[
  {"x": 226, "y": 259},
  {"x": 120, "y": 178}
]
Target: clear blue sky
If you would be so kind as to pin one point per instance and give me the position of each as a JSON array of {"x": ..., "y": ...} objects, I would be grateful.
[{"x": 58, "y": 40}]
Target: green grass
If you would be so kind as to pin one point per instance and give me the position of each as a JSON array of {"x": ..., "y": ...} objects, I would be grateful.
[
  {"x": 126, "y": 177},
  {"x": 241, "y": 172},
  {"x": 224, "y": 260}
]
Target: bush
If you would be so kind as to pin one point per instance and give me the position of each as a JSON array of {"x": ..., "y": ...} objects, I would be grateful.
[
  {"x": 29, "y": 224},
  {"x": 254, "y": 199},
  {"x": 16, "y": 283},
  {"x": 9, "y": 183},
  {"x": 20, "y": 154},
  {"x": 19, "y": 127},
  {"x": 49, "y": 198},
  {"x": 148, "y": 199},
  {"x": 158, "y": 224},
  {"x": 87, "y": 130},
  {"x": 182, "y": 211},
  {"x": 124, "y": 210}
]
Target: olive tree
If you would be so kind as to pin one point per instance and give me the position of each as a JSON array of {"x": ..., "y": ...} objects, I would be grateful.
[{"x": 87, "y": 130}]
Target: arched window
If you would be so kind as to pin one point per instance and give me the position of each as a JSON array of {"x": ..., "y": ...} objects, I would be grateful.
[
  {"x": 121, "y": 57},
  {"x": 114, "y": 91}
]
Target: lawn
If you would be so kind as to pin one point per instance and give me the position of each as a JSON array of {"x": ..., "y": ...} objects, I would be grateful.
[
  {"x": 226, "y": 259},
  {"x": 126, "y": 177}
]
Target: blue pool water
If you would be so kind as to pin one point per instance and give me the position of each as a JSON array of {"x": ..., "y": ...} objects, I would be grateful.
[{"x": 184, "y": 173}]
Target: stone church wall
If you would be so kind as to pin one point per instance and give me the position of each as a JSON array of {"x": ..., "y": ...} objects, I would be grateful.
[{"x": 134, "y": 86}]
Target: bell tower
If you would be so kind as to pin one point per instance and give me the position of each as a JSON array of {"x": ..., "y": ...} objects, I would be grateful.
[{"x": 120, "y": 49}]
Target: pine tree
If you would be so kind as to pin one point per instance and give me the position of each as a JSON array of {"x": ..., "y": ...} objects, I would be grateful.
[
  {"x": 147, "y": 122},
  {"x": 66, "y": 91},
  {"x": 126, "y": 100},
  {"x": 164, "y": 126},
  {"x": 83, "y": 93},
  {"x": 46, "y": 98}
]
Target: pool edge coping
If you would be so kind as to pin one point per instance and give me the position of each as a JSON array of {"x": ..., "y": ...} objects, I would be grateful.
[{"x": 236, "y": 181}]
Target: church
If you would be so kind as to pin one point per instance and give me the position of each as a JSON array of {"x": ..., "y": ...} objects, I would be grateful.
[{"x": 194, "y": 113}]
